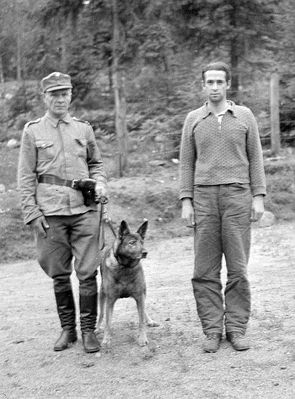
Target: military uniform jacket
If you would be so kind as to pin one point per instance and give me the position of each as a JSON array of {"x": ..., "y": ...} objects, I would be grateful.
[{"x": 65, "y": 148}]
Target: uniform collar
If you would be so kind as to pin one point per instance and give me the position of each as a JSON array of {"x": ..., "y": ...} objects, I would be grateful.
[
  {"x": 231, "y": 106},
  {"x": 54, "y": 121}
]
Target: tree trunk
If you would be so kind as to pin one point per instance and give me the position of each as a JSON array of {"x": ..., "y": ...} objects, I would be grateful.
[
  {"x": 63, "y": 54},
  {"x": 275, "y": 114},
  {"x": 18, "y": 42},
  {"x": 68, "y": 34},
  {"x": 234, "y": 59},
  {"x": 119, "y": 95},
  {"x": 1, "y": 71},
  {"x": 234, "y": 53},
  {"x": 110, "y": 76},
  {"x": 2, "y": 94}
]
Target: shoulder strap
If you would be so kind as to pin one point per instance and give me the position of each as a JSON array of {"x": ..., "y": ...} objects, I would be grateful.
[
  {"x": 81, "y": 120},
  {"x": 32, "y": 122}
]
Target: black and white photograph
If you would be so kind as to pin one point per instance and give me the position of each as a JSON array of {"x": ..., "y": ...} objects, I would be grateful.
[{"x": 147, "y": 199}]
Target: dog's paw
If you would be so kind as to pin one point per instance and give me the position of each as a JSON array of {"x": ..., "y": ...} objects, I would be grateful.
[
  {"x": 142, "y": 339},
  {"x": 106, "y": 342},
  {"x": 152, "y": 323}
]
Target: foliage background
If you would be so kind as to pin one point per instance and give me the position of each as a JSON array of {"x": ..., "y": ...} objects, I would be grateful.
[{"x": 162, "y": 47}]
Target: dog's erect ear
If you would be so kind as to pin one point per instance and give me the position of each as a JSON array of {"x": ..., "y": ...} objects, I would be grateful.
[
  {"x": 123, "y": 229},
  {"x": 142, "y": 229}
]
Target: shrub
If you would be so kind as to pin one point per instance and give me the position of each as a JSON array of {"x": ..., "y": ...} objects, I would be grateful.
[{"x": 25, "y": 100}]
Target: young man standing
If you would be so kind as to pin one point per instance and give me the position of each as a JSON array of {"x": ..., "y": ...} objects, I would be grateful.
[
  {"x": 222, "y": 188},
  {"x": 56, "y": 152}
]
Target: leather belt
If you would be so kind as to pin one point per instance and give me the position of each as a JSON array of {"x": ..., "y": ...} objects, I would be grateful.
[{"x": 52, "y": 179}]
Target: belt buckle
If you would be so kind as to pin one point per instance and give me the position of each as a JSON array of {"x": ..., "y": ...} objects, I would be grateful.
[{"x": 74, "y": 184}]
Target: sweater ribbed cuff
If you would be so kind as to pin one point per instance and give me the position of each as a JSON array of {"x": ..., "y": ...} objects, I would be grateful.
[
  {"x": 186, "y": 194},
  {"x": 258, "y": 190}
]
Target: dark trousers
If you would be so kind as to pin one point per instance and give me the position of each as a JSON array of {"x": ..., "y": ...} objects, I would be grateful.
[
  {"x": 72, "y": 241},
  {"x": 223, "y": 227}
]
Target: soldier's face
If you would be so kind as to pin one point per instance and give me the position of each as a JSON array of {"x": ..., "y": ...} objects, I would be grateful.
[{"x": 58, "y": 102}]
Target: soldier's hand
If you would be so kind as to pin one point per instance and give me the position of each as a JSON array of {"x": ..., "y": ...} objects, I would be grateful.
[
  {"x": 40, "y": 226},
  {"x": 100, "y": 191}
]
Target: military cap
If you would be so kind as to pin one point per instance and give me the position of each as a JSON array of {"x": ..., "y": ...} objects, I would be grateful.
[{"x": 56, "y": 81}]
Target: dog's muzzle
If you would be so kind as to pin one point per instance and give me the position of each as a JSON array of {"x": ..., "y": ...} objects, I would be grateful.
[{"x": 144, "y": 254}]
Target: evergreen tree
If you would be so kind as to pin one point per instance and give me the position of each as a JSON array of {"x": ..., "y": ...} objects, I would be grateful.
[{"x": 228, "y": 29}]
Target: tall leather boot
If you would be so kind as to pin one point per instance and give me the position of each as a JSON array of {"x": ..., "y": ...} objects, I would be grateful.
[
  {"x": 67, "y": 315},
  {"x": 88, "y": 315}
]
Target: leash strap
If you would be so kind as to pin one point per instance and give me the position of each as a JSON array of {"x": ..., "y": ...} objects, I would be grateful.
[
  {"x": 109, "y": 223},
  {"x": 101, "y": 229},
  {"x": 104, "y": 220}
]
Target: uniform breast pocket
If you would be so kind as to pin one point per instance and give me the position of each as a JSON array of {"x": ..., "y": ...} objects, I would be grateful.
[
  {"x": 45, "y": 149},
  {"x": 81, "y": 147}
]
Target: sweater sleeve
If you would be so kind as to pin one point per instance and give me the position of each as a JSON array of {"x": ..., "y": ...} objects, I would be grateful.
[
  {"x": 255, "y": 157},
  {"x": 187, "y": 158}
]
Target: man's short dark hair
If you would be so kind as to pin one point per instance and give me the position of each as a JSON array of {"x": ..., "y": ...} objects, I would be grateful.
[{"x": 217, "y": 66}]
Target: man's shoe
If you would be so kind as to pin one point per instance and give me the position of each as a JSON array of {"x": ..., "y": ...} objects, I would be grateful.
[
  {"x": 212, "y": 342},
  {"x": 90, "y": 342},
  {"x": 238, "y": 340},
  {"x": 67, "y": 337}
]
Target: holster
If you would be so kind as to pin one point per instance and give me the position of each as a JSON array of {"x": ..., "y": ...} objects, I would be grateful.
[{"x": 87, "y": 187}]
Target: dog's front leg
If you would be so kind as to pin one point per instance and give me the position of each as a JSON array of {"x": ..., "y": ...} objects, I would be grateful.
[
  {"x": 102, "y": 299},
  {"x": 140, "y": 302},
  {"x": 107, "y": 337}
]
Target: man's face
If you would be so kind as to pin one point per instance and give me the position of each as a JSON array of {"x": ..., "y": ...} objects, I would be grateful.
[
  {"x": 58, "y": 102},
  {"x": 215, "y": 86}
]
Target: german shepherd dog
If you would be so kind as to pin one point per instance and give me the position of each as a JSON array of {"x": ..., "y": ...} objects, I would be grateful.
[{"x": 122, "y": 276}]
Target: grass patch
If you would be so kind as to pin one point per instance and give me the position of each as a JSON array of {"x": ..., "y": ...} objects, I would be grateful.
[
  {"x": 17, "y": 241},
  {"x": 280, "y": 179},
  {"x": 280, "y": 167}
]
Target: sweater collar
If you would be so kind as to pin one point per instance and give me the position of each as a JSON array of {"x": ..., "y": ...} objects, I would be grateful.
[{"x": 231, "y": 107}]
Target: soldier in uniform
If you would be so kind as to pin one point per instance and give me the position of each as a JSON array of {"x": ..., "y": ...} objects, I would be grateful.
[{"x": 58, "y": 150}]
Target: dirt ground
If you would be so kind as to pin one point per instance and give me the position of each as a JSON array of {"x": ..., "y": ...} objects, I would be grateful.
[{"x": 173, "y": 364}]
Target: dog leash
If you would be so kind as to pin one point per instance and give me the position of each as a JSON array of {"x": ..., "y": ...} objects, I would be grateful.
[{"x": 104, "y": 219}]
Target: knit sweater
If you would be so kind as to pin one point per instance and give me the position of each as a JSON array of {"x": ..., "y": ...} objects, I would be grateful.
[{"x": 214, "y": 153}]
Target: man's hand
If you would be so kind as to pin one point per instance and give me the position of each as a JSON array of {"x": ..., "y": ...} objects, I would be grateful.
[
  {"x": 40, "y": 225},
  {"x": 100, "y": 190},
  {"x": 188, "y": 212},
  {"x": 257, "y": 208}
]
